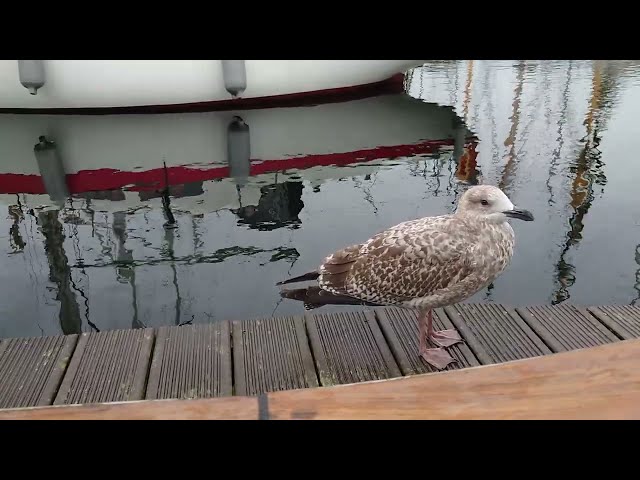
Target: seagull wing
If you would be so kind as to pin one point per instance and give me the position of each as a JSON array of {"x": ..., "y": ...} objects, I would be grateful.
[{"x": 411, "y": 260}]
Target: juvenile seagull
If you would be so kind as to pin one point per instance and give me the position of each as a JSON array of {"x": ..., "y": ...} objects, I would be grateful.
[{"x": 424, "y": 264}]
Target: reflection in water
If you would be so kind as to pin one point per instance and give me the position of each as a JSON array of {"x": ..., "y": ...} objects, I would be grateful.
[
  {"x": 562, "y": 121},
  {"x": 15, "y": 238},
  {"x": 72, "y": 219},
  {"x": 508, "y": 170},
  {"x": 167, "y": 251},
  {"x": 166, "y": 201},
  {"x": 467, "y": 170},
  {"x": 299, "y": 183},
  {"x": 467, "y": 92},
  {"x": 239, "y": 151},
  {"x": 59, "y": 271},
  {"x": 279, "y": 206},
  {"x": 218, "y": 256},
  {"x": 587, "y": 171},
  {"x": 125, "y": 272},
  {"x": 51, "y": 170},
  {"x": 192, "y": 189}
]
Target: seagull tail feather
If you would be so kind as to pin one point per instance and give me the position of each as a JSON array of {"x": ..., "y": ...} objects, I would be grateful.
[
  {"x": 315, "y": 297},
  {"x": 302, "y": 278}
]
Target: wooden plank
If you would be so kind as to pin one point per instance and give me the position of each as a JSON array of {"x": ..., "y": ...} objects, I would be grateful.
[
  {"x": 624, "y": 320},
  {"x": 107, "y": 366},
  {"x": 496, "y": 333},
  {"x": 31, "y": 369},
  {"x": 349, "y": 347},
  {"x": 271, "y": 354},
  {"x": 191, "y": 362},
  {"x": 566, "y": 327},
  {"x": 400, "y": 328},
  {"x": 223, "y": 408},
  {"x": 596, "y": 383}
]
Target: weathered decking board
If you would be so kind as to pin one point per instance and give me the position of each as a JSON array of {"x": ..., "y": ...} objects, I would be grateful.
[
  {"x": 349, "y": 348},
  {"x": 31, "y": 369},
  {"x": 107, "y": 367},
  {"x": 496, "y": 333},
  {"x": 191, "y": 362},
  {"x": 262, "y": 356},
  {"x": 271, "y": 354},
  {"x": 622, "y": 319},
  {"x": 566, "y": 327}
]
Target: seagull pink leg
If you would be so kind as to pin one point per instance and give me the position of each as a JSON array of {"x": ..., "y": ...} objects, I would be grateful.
[
  {"x": 423, "y": 333},
  {"x": 438, "y": 357}
]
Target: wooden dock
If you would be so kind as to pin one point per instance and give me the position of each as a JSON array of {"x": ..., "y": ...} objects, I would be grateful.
[{"x": 257, "y": 357}]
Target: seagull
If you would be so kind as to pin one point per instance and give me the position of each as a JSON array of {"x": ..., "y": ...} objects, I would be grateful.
[{"x": 422, "y": 264}]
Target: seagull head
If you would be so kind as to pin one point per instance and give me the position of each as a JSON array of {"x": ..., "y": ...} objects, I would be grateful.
[{"x": 490, "y": 203}]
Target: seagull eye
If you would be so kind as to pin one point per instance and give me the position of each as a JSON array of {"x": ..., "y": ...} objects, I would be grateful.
[{"x": 484, "y": 202}]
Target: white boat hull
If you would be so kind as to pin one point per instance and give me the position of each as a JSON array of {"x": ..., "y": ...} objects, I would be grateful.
[{"x": 116, "y": 84}]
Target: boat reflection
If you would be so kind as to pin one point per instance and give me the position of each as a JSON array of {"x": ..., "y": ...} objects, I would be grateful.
[{"x": 129, "y": 208}]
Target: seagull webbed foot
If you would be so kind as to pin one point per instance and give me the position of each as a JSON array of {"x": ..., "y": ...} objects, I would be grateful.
[
  {"x": 438, "y": 357},
  {"x": 446, "y": 338}
]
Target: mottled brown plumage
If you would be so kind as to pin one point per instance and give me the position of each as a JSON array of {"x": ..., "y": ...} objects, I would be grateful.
[{"x": 427, "y": 263}]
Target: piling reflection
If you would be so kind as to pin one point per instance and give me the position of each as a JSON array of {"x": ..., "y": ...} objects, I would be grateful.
[
  {"x": 51, "y": 169},
  {"x": 239, "y": 150},
  {"x": 60, "y": 271},
  {"x": 125, "y": 272}
]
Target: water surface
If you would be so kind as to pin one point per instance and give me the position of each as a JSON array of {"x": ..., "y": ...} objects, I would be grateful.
[{"x": 558, "y": 137}]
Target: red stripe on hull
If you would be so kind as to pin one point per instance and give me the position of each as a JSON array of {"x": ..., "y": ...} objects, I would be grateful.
[{"x": 112, "y": 179}]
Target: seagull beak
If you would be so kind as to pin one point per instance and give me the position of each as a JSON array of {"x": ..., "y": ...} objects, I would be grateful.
[{"x": 520, "y": 213}]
